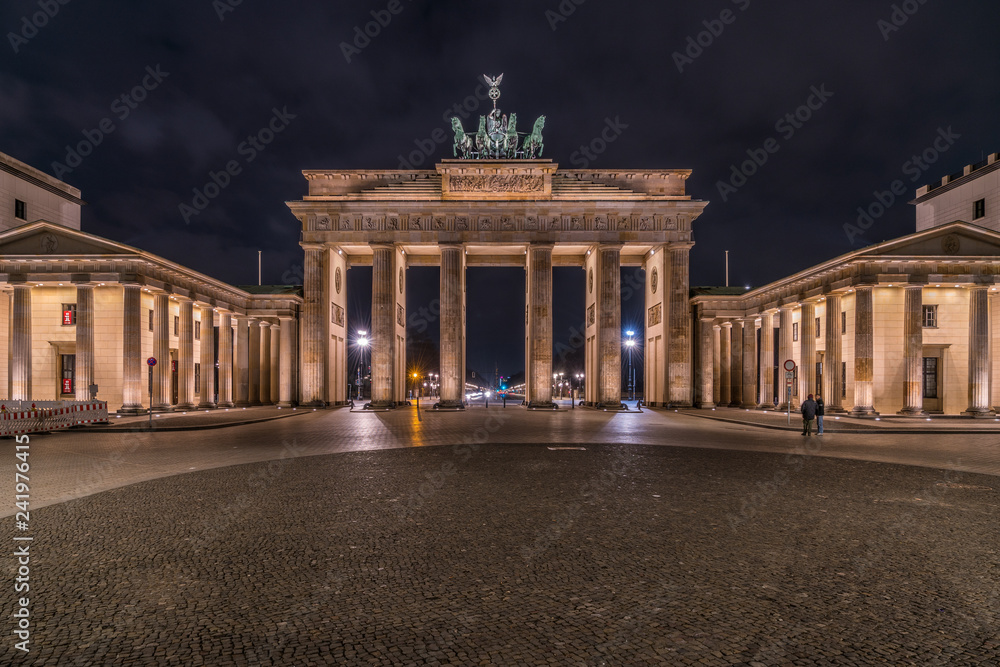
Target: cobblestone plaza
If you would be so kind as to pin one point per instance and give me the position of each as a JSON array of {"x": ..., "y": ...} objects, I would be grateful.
[{"x": 500, "y": 537}]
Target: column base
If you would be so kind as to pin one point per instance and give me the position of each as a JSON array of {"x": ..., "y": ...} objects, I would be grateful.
[
  {"x": 863, "y": 411},
  {"x": 611, "y": 406},
  {"x": 322, "y": 404},
  {"x": 131, "y": 410},
  {"x": 746, "y": 406},
  {"x": 912, "y": 412},
  {"x": 837, "y": 410},
  {"x": 450, "y": 406},
  {"x": 540, "y": 405},
  {"x": 734, "y": 404},
  {"x": 679, "y": 406},
  {"x": 704, "y": 405},
  {"x": 184, "y": 406},
  {"x": 767, "y": 406},
  {"x": 286, "y": 404},
  {"x": 163, "y": 408},
  {"x": 206, "y": 406},
  {"x": 375, "y": 405},
  {"x": 226, "y": 404},
  {"x": 242, "y": 404},
  {"x": 978, "y": 413}
]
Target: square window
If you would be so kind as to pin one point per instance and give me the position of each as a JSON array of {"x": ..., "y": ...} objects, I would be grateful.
[
  {"x": 177, "y": 324},
  {"x": 843, "y": 322},
  {"x": 795, "y": 331},
  {"x": 150, "y": 319},
  {"x": 197, "y": 329},
  {"x": 979, "y": 209},
  {"x": 817, "y": 327},
  {"x": 930, "y": 316},
  {"x": 69, "y": 314},
  {"x": 20, "y": 210}
]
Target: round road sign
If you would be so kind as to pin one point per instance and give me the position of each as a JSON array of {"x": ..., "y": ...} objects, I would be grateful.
[
  {"x": 789, "y": 365},
  {"x": 151, "y": 361}
]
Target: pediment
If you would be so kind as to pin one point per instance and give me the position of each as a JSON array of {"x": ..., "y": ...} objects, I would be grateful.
[
  {"x": 956, "y": 239},
  {"x": 42, "y": 238}
]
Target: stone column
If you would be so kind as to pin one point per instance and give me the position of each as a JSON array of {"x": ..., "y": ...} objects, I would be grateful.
[
  {"x": 736, "y": 364},
  {"x": 979, "y": 353},
  {"x": 749, "y": 362},
  {"x": 185, "y": 355},
  {"x": 716, "y": 365},
  {"x": 540, "y": 322},
  {"x": 864, "y": 353},
  {"x": 161, "y": 350},
  {"x": 383, "y": 341},
  {"x": 807, "y": 350},
  {"x": 84, "y": 341},
  {"x": 913, "y": 351},
  {"x": 275, "y": 357},
  {"x": 707, "y": 361},
  {"x": 679, "y": 339},
  {"x": 207, "y": 380},
  {"x": 452, "y": 298},
  {"x": 225, "y": 359},
  {"x": 242, "y": 363},
  {"x": 253, "y": 361},
  {"x": 20, "y": 344},
  {"x": 265, "y": 363},
  {"x": 132, "y": 384},
  {"x": 286, "y": 357},
  {"x": 833, "y": 384},
  {"x": 313, "y": 359},
  {"x": 766, "y": 383},
  {"x": 609, "y": 323},
  {"x": 725, "y": 364},
  {"x": 784, "y": 353}
]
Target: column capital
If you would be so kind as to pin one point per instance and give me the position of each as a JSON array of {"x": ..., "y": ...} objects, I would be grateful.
[
  {"x": 313, "y": 246},
  {"x": 726, "y": 324}
]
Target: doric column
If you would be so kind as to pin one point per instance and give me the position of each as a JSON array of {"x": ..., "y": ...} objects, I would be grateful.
[
  {"x": 265, "y": 363},
  {"x": 253, "y": 361},
  {"x": 242, "y": 363},
  {"x": 807, "y": 349},
  {"x": 286, "y": 359},
  {"x": 539, "y": 377},
  {"x": 275, "y": 357},
  {"x": 784, "y": 353},
  {"x": 207, "y": 379},
  {"x": 833, "y": 382},
  {"x": 979, "y": 353},
  {"x": 185, "y": 355},
  {"x": 913, "y": 351},
  {"x": 725, "y": 363},
  {"x": 225, "y": 359},
  {"x": 132, "y": 384},
  {"x": 609, "y": 323},
  {"x": 84, "y": 341},
  {"x": 716, "y": 359},
  {"x": 20, "y": 344},
  {"x": 736, "y": 364},
  {"x": 749, "y": 362},
  {"x": 383, "y": 342},
  {"x": 708, "y": 334},
  {"x": 161, "y": 350},
  {"x": 766, "y": 382},
  {"x": 864, "y": 353},
  {"x": 452, "y": 327},
  {"x": 679, "y": 340},
  {"x": 313, "y": 332}
]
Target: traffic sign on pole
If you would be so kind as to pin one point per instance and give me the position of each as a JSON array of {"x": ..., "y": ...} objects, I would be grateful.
[
  {"x": 151, "y": 361},
  {"x": 789, "y": 365}
]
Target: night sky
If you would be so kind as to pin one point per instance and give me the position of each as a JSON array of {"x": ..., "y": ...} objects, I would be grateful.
[{"x": 885, "y": 83}]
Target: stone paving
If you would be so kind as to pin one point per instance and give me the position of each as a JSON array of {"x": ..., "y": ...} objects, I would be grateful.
[{"x": 340, "y": 538}]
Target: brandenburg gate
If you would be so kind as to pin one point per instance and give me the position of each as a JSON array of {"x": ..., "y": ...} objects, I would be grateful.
[{"x": 497, "y": 204}]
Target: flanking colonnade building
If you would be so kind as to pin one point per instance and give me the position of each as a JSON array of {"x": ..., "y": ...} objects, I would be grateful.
[
  {"x": 81, "y": 311},
  {"x": 909, "y": 326}
]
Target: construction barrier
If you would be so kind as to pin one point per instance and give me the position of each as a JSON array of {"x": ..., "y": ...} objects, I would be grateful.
[{"x": 35, "y": 419}]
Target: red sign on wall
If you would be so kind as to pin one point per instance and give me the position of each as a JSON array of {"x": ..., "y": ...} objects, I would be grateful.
[
  {"x": 67, "y": 386},
  {"x": 67, "y": 317},
  {"x": 173, "y": 365}
]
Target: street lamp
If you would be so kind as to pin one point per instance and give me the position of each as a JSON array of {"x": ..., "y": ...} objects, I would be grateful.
[
  {"x": 363, "y": 344},
  {"x": 630, "y": 343}
]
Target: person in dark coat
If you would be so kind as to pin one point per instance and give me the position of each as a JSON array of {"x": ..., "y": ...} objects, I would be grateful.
[
  {"x": 820, "y": 411},
  {"x": 808, "y": 414}
]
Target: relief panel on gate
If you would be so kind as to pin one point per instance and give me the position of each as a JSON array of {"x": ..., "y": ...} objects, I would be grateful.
[{"x": 655, "y": 315}]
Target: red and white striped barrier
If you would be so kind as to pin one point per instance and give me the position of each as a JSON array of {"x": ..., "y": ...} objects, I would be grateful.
[{"x": 40, "y": 420}]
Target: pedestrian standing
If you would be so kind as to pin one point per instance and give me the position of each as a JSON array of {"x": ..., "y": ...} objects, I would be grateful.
[
  {"x": 820, "y": 411},
  {"x": 808, "y": 414}
]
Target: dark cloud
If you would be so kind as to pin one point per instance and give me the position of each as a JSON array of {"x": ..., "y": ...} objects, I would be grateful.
[{"x": 606, "y": 60}]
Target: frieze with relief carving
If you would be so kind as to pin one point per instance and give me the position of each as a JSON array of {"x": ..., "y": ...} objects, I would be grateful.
[{"x": 497, "y": 183}]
